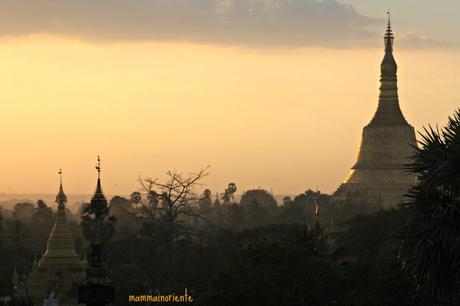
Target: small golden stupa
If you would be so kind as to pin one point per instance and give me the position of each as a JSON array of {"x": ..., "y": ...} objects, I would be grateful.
[{"x": 59, "y": 270}]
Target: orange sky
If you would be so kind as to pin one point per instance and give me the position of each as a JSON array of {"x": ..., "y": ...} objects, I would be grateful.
[{"x": 285, "y": 120}]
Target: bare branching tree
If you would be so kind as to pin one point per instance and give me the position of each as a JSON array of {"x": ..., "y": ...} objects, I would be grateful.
[
  {"x": 166, "y": 209},
  {"x": 171, "y": 201}
]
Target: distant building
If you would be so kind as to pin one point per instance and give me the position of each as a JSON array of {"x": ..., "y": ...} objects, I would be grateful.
[
  {"x": 54, "y": 278},
  {"x": 378, "y": 176}
]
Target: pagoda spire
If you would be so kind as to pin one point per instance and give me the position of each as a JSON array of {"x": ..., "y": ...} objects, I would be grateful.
[
  {"x": 97, "y": 284},
  {"x": 61, "y": 198},
  {"x": 98, "y": 167},
  {"x": 389, "y": 38},
  {"x": 388, "y": 110},
  {"x": 98, "y": 201},
  {"x": 60, "y": 248}
]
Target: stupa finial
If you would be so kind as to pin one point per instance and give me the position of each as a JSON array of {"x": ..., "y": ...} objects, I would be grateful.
[
  {"x": 389, "y": 35},
  {"x": 98, "y": 167},
  {"x": 61, "y": 198},
  {"x": 389, "y": 17},
  {"x": 60, "y": 175}
]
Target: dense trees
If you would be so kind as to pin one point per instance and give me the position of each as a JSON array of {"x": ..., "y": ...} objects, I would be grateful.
[
  {"x": 23, "y": 236},
  {"x": 23, "y": 211},
  {"x": 42, "y": 214},
  {"x": 265, "y": 254},
  {"x": 97, "y": 224},
  {"x": 275, "y": 265},
  {"x": 268, "y": 255},
  {"x": 18, "y": 233},
  {"x": 170, "y": 236},
  {"x": 260, "y": 196},
  {"x": 228, "y": 195},
  {"x": 432, "y": 243}
]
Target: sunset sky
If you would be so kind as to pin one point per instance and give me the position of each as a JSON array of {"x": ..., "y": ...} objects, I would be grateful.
[{"x": 269, "y": 93}]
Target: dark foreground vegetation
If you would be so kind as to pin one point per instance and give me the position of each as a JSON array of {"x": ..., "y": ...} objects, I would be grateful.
[{"x": 311, "y": 250}]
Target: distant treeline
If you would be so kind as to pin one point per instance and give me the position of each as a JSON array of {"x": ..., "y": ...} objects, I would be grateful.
[{"x": 311, "y": 250}]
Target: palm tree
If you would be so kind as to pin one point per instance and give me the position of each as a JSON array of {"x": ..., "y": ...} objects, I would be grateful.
[
  {"x": 431, "y": 250},
  {"x": 228, "y": 197}
]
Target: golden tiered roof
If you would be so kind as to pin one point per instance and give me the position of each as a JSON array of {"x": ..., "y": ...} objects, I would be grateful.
[{"x": 60, "y": 248}]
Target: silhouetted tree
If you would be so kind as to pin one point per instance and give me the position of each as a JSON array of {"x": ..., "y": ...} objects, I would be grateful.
[
  {"x": 287, "y": 201},
  {"x": 274, "y": 269},
  {"x": 217, "y": 211},
  {"x": 165, "y": 208},
  {"x": 256, "y": 214},
  {"x": 205, "y": 201},
  {"x": 367, "y": 253},
  {"x": 263, "y": 198},
  {"x": 432, "y": 246},
  {"x": 1, "y": 230},
  {"x": 123, "y": 210},
  {"x": 18, "y": 234},
  {"x": 97, "y": 220},
  {"x": 236, "y": 216},
  {"x": 42, "y": 214},
  {"x": 23, "y": 211},
  {"x": 228, "y": 196}
]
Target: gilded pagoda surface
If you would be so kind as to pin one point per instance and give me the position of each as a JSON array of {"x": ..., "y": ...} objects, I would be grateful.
[
  {"x": 387, "y": 143},
  {"x": 59, "y": 270}
]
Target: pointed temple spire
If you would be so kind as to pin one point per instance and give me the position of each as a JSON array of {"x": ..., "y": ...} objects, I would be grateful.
[
  {"x": 389, "y": 38},
  {"x": 61, "y": 198},
  {"x": 97, "y": 286},
  {"x": 98, "y": 201},
  {"x": 60, "y": 247},
  {"x": 388, "y": 110},
  {"x": 387, "y": 142},
  {"x": 98, "y": 167}
]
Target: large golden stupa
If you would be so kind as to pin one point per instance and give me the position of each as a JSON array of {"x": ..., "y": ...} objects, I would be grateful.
[{"x": 378, "y": 176}]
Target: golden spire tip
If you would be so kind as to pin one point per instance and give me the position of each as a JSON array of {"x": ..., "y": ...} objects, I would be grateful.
[
  {"x": 98, "y": 167},
  {"x": 60, "y": 175}
]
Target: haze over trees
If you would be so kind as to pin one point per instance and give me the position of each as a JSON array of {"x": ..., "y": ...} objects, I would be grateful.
[{"x": 312, "y": 249}]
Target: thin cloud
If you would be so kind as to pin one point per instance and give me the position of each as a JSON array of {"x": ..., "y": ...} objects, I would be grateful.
[
  {"x": 251, "y": 23},
  {"x": 415, "y": 41}
]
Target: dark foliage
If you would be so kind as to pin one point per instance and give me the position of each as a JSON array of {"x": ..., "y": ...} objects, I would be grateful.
[{"x": 432, "y": 246}]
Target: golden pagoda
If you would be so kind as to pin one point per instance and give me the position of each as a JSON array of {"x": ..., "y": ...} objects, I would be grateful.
[
  {"x": 60, "y": 269},
  {"x": 378, "y": 176}
]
